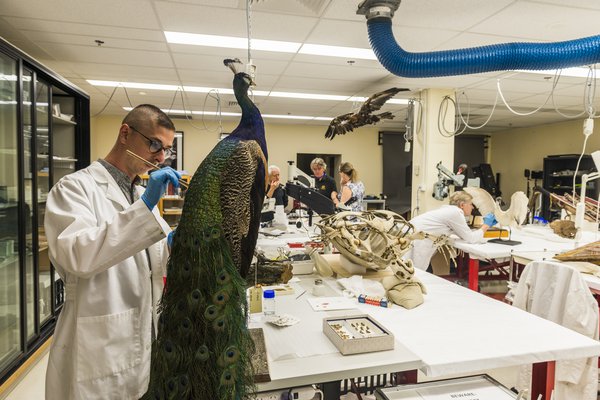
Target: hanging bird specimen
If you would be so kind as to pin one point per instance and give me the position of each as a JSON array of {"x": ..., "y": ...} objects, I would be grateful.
[
  {"x": 513, "y": 217},
  {"x": 203, "y": 347},
  {"x": 347, "y": 122}
]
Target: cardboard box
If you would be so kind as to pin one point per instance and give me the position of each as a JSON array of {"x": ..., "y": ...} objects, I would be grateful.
[{"x": 357, "y": 334}]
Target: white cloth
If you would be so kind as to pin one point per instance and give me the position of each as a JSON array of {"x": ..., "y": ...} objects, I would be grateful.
[
  {"x": 442, "y": 221},
  {"x": 98, "y": 242},
  {"x": 557, "y": 292}
]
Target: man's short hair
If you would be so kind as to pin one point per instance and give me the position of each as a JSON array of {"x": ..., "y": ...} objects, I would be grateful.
[
  {"x": 148, "y": 116},
  {"x": 457, "y": 198}
]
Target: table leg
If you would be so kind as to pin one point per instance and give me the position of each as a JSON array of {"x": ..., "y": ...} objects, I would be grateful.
[
  {"x": 473, "y": 274},
  {"x": 542, "y": 380},
  {"x": 331, "y": 390}
]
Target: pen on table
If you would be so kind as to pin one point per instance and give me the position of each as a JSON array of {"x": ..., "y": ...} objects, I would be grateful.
[
  {"x": 154, "y": 166},
  {"x": 300, "y": 295}
]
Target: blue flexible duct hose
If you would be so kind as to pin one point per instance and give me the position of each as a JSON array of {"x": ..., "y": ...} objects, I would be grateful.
[{"x": 498, "y": 57}]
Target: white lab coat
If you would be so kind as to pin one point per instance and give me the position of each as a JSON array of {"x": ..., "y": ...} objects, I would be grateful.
[
  {"x": 443, "y": 221},
  {"x": 97, "y": 241},
  {"x": 558, "y": 293}
]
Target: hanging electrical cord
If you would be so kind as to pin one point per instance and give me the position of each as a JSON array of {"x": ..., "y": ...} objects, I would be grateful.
[
  {"x": 173, "y": 100},
  {"x": 577, "y": 167},
  {"x": 218, "y": 115},
  {"x": 499, "y": 87},
  {"x": 107, "y": 102},
  {"x": 466, "y": 122},
  {"x": 127, "y": 95},
  {"x": 442, "y": 114}
]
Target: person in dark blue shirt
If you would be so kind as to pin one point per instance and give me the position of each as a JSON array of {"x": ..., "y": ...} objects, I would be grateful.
[{"x": 323, "y": 182}]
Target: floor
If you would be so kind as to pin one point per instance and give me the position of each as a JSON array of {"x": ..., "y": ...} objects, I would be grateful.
[{"x": 32, "y": 386}]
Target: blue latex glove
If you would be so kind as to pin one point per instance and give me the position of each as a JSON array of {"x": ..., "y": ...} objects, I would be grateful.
[
  {"x": 170, "y": 238},
  {"x": 157, "y": 184},
  {"x": 490, "y": 220}
]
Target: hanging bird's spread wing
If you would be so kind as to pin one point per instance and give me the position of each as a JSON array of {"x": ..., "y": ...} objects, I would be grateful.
[
  {"x": 376, "y": 101},
  {"x": 364, "y": 116},
  {"x": 482, "y": 200},
  {"x": 518, "y": 208}
]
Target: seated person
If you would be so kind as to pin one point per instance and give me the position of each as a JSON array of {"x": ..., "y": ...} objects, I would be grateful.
[
  {"x": 276, "y": 190},
  {"x": 352, "y": 190},
  {"x": 323, "y": 182},
  {"x": 446, "y": 220}
]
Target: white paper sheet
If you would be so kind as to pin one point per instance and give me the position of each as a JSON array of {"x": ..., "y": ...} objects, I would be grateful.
[{"x": 331, "y": 303}]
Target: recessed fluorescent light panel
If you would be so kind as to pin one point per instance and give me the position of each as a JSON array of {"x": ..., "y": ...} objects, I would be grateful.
[
  {"x": 576, "y": 72},
  {"x": 231, "y": 42},
  {"x": 337, "y": 51},
  {"x": 199, "y": 89},
  {"x": 232, "y": 114}
]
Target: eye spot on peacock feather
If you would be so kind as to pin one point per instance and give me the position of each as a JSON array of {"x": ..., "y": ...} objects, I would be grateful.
[
  {"x": 215, "y": 233},
  {"x": 202, "y": 353},
  {"x": 229, "y": 356},
  {"x": 221, "y": 297},
  {"x": 181, "y": 306},
  {"x": 206, "y": 236},
  {"x": 172, "y": 385},
  {"x": 223, "y": 278},
  {"x": 228, "y": 377},
  {"x": 211, "y": 312},
  {"x": 184, "y": 382},
  {"x": 169, "y": 348},
  {"x": 219, "y": 324}
]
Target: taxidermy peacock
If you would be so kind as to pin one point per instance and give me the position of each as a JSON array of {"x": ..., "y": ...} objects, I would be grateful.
[{"x": 203, "y": 347}]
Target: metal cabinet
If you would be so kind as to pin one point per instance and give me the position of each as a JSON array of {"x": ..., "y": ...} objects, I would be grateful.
[{"x": 44, "y": 134}]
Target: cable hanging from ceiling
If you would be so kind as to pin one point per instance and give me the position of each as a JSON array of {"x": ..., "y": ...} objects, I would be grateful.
[{"x": 462, "y": 119}]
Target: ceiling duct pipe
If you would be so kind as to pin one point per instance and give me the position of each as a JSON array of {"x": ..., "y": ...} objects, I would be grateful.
[{"x": 497, "y": 57}]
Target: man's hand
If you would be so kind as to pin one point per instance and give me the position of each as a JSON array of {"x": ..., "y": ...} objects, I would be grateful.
[{"x": 157, "y": 184}]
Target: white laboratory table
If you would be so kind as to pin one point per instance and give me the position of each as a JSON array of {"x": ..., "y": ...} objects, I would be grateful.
[
  {"x": 455, "y": 331},
  {"x": 533, "y": 238},
  {"x": 525, "y": 257}
]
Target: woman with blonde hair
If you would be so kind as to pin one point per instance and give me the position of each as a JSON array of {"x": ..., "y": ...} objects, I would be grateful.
[{"x": 351, "y": 191}]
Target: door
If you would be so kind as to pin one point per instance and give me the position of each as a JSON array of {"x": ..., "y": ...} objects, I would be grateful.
[{"x": 10, "y": 247}]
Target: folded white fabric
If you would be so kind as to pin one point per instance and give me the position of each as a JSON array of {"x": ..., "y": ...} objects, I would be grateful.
[{"x": 357, "y": 285}]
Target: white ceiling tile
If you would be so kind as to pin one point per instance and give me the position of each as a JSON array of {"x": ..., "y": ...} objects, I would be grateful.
[
  {"x": 340, "y": 33},
  {"x": 101, "y": 31},
  {"x": 452, "y": 15},
  {"x": 86, "y": 40},
  {"x": 106, "y": 55},
  {"x": 130, "y": 13},
  {"x": 541, "y": 22}
]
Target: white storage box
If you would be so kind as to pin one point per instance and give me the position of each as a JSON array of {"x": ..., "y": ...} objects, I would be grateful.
[
  {"x": 357, "y": 334},
  {"x": 470, "y": 388}
]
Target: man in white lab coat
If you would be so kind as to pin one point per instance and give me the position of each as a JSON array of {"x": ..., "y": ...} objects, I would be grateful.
[
  {"x": 107, "y": 243},
  {"x": 446, "y": 220}
]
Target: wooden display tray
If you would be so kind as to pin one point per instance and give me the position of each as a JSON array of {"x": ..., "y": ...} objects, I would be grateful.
[{"x": 357, "y": 334}]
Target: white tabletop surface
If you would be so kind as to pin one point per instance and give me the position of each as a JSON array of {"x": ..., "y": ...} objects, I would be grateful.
[
  {"x": 456, "y": 331},
  {"x": 533, "y": 238}
]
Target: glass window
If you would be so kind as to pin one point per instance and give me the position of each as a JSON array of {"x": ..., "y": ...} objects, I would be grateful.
[{"x": 10, "y": 337}]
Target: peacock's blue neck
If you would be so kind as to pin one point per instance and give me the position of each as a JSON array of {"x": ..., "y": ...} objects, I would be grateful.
[{"x": 252, "y": 122}]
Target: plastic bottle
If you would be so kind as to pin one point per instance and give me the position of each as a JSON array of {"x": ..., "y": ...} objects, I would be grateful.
[{"x": 268, "y": 304}]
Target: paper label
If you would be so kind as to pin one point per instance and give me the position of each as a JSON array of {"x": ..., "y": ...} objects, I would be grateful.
[{"x": 256, "y": 295}]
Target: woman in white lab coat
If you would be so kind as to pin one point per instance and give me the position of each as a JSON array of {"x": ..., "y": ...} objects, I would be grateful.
[
  {"x": 106, "y": 243},
  {"x": 446, "y": 220}
]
